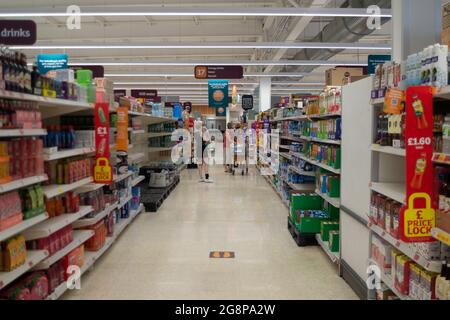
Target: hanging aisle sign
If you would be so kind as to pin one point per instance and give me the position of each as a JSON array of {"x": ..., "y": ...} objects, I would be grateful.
[
  {"x": 418, "y": 218},
  {"x": 219, "y": 72},
  {"x": 18, "y": 32},
  {"x": 218, "y": 96},
  {"x": 51, "y": 61},
  {"x": 102, "y": 170}
]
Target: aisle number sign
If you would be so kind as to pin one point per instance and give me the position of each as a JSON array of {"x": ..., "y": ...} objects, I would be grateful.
[
  {"x": 418, "y": 218},
  {"x": 102, "y": 170}
]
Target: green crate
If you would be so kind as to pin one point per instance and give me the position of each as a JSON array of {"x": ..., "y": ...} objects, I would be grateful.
[
  {"x": 326, "y": 227},
  {"x": 334, "y": 241},
  {"x": 309, "y": 225},
  {"x": 306, "y": 202},
  {"x": 333, "y": 212},
  {"x": 334, "y": 187}
]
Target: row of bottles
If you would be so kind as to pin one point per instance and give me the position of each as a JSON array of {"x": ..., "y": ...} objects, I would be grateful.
[{"x": 15, "y": 75}]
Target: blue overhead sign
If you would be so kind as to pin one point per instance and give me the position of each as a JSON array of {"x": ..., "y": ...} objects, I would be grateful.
[
  {"x": 49, "y": 62},
  {"x": 376, "y": 59}
]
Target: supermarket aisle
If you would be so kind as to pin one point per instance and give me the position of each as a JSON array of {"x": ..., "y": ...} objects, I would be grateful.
[{"x": 166, "y": 255}]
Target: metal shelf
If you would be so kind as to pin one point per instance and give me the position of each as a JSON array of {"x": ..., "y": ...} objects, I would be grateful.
[
  {"x": 316, "y": 163},
  {"x": 395, "y": 191},
  {"x": 301, "y": 172},
  {"x": 407, "y": 249},
  {"x": 15, "y": 133},
  {"x": 81, "y": 223},
  {"x": 79, "y": 237},
  {"x": 335, "y": 202},
  {"x": 334, "y": 256},
  {"x": 138, "y": 180},
  {"x": 33, "y": 258},
  {"x": 68, "y": 153},
  {"x": 22, "y": 183},
  {"x": 52, "y": 225},
  {"x": 388, "y": 150},
  {"x": 56, "y": 190},
  {"x": 24, "y": 225},
  {"x": 159, "y": 134}
]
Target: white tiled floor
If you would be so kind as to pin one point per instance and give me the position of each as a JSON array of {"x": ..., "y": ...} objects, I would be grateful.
[{"x": 165, "y": 255}]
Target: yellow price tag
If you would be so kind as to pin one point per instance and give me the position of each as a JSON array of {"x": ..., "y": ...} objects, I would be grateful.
[{"x": 418, "y": 222}]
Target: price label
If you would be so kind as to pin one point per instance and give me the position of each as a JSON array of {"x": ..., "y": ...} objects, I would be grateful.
[{"x": 419, "y": 142}]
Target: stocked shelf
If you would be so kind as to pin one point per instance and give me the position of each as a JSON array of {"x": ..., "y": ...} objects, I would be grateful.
[
  {"x": 135, "y": 158},
  {"x": 56, "y": 190},
  {"x": 137, "y": 131},
  {"x": 407, "y": 249},
  {"x": 124, "y": 202},
  {"x": 387, "y": 280},
  {"x": 155, "y": 119},
  {"x": 291, "y": 138},
  {"x": 17, "y": 133},
  {"x": 33, "y": 258},
  {"x": 316, "y": 163},
  {"x": 122, "y": 177},
  {"x": 81, "y": 223},
  {"x": 151, "y": 149},
  {"x": 377, "y": 101},
  {"x": 285, "y": 147},
  {"x": 159, "y": 134},
  {"x": 334, "y": 256},
  {"x": 388, "y": 150},
  {"x": 301, "y": 172},
  {"x": 24, "y": 225},
  {"x": 441, "y": 158},
  {"x": 325, "y": 115},
  {"x": 335, "y": 202},
  {"x": 301, "y": 187},
  {"x": 295, "y": 118},
  {"x": 79, "y": 237},
  {"x": 118, "y": 228},
  {"x": 138, "y": 180},
  {"x": 68, "y": 153},
  {"x": 52, "y": 225},
  {"x": 22, "y": 183},
  {"x": 323, "y": 141},
  {"x": 285, "y": 155},
  {"x": 395, "y": 191},
  {"x": 90, "y": 187},
  {"x": 441, "y": 235}
]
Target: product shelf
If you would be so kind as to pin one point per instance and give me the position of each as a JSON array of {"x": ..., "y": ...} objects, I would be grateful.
[
  {"x": 316, "y": 163},
  {"x": 120, "y": 227},
  {"x": 79, "y": 237},
  {"x": 407, "y": 249},
  {"x": 377, "y": 101},
  {"x": 441, "y": 158},
  {"x": 325, "y": 115},
  {"x": 443, "y": 93},
  {"x": 90, "y": 187},
  {"x": 136, "y": 158},
  {"x": 154, "y": 149},
  {"x": 388, "y": 150},
  {"x": 295, "y": 118},
  {"x": 124, "y": 202},
  {"x": 291, "y": 138},
  {"x": 138, "y": 180},
  {"x": 441, "y": 235},
  {"x": 154, "y": 118},
  {"x": 68, "y": 153},
  {"x": 33, "y": 258},
  {"x": 56, "y": 190},
  {"x": 334, "y": 256},
  {"x": 24, "y": 225},
  {"x": 122, "y": 177},
  {"x": 301, "y": 172},
  {"x": 286, "y": 155},
  {"x": 286, "y": 147},
  {"x": 22, "y": 183},
  {"x": 301, "y": 187},
  {"x": 335, "y": 202},
  {"x": 395, "y": 191},
  {"x": 269, "y": 181},
  {"x": 387, "y": 280},
  {"x": 52, "y": 225},
  {"x": 17, "y": 133},
  {"x": 81, "y": 223},
  {"x": 159, "y": 134},
  {"x": 137, "y": 131}
]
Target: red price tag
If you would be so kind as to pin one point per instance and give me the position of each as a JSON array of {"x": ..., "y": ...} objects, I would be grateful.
[{"x": 416, "y": 257}]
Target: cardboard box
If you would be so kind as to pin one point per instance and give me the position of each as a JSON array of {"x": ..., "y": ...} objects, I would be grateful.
[
  {"x": 443, "y": 221},
  {"x": 445, "y": 32},
  {"x": 338, "y": 76}
]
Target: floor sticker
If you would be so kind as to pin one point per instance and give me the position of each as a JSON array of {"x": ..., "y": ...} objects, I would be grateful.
[{"x": 222, "y": 255}]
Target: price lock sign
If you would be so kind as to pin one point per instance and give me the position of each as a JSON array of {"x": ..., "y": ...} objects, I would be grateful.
[
  {"x": 419, "y": 217},
  {"x": 102, "y": 169}
]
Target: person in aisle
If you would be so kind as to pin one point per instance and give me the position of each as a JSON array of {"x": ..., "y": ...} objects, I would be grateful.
[
  {"x": 228, "y": 142},
  {"x": 203, "y": 157}
]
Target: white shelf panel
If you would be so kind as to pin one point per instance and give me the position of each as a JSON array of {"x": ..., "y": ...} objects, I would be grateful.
[
  {"x": 388, "y": 150},
  {"x": 326, "y": 141},
  {"x": 90, "y": 187},
  {"x": 33, "y": 258},
  {"x": 13, "y": 133},
  {"x": 441, "y": 235},
  {"x": 325, "y": 115},
  {"x": 335, "y": 202},
  {"x": 153, "y": 149},
  {"x": 79, "y": 237},
  {"x": 295, "y": 118},
  {"x": 387, "y": 280},
  {"x": 138, "y": 180},
  {"x": 22, "y": 183},
  {"x": 395, "y": 191},
  {"x": 137, "y": 131},
  {"x": 157, "y": 119},
  {"x": 91, "y": 221},
  {"x": 52, "y": 225},
  {"x": 443, "y": 93},
  {"x": 285, "y": 155},
  {"x": 124, "y": 202},
  {"x": 407, "y": 249},
  {"x": 377, "y": 101},
  {"x": 301, "y": 187},
  {"x": 316, "y": 163},
  {"x": 301, "y": 172},
  {"x": 286, "y": 147},
  {"x": 56, "y": 190},
  {"x": 334, "y": 256},
  {"x": 122, "y": 177},
  {"x": 24, "y": 225},
  {"x": 135, "y": 158},
  {"x": 159, "y": 134},
  {"x": 68, "y": 153},
  {"x": 295, "y": 139}
]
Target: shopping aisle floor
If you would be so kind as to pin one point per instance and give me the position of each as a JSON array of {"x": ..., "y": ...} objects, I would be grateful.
[{"x": 165, "y": 255}]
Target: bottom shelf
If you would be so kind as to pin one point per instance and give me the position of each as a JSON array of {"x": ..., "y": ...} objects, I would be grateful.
[
  {"x": 92, "y": 256},
  {"x": 334, "y": 256}
]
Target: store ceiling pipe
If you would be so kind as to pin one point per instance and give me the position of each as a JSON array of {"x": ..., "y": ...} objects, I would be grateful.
[{"x": 348, "y": 30}]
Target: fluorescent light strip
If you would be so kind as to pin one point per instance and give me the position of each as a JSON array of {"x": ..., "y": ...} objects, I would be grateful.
[
  {"x": 222, "y": 63},
  {"x": 217, "y": 45},
  {"x": 147, "y": 10}
]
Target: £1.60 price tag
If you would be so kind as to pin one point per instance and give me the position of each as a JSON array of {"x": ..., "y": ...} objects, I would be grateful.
[{"x": 419, "y": 142}]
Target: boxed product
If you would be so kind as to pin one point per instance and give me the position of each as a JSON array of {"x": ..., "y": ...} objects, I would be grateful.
[
  {"x": 415, "y": 274},
  {"x": 96, "y": 242},
  {"x": 382, "y": 253},
  {"x": 402, "y": 273},
  {"x": 429, "y": 250},
  {"x": 337, "y": 76},
  {"x": 443, "y": 221},
  {"x": 13, "y": 253},
  {"x": 445, "y": 32},
  {"x": 11, "y": 210},
  {"x": 334, "y": 242},
  {"x": 326, "y": 227},
  {"x": 427, "y": 285},
  {"x": 73, "y": 258}
]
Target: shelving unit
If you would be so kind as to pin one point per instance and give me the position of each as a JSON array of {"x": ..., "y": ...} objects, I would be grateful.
[
  {"x": 301, "y": 172},
  {"x": 56, "y": 190},
  {"x": 335, "y": 202},
  {"x": 395, "y": 191},
  {"x": 22, "y": 183},
  {"x": 316, "y": 163},
  {"x": 17, "y": 133},
  {"x": 388, "y": 150},
  {"x": 334, "y": 256},
  {"x": 68, "y": 153},
  {"x": 24, "y": 225},
  {"x": 81, "y": 223},
  {"x": 137, "y": 180}
]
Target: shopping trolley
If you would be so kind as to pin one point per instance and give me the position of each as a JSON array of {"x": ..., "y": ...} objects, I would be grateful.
[{"x": 240, "y": 156}]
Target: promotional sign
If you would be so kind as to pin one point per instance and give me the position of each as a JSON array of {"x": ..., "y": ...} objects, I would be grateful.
[
  {"x": 144, "y": 93},
  {"x": 102, "y": 170},
  {"x": 218, "y": 96},
  {"x": 247, "y": 102},
  {"x": 418, "y": 218},
  {"x": 219, "y": 72},
  {"x": 97, "y": 71},
  {"x": 49, "y": 62},
  {"x": 122, "y": 130},
  {"x": 118, "y": 94},
  {"x": 18, "y": 32},
  {"x": 375, "y": 59}
]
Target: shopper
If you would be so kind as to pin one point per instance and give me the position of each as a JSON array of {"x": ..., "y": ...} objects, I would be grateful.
[{"x": 204, "y": 157}]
